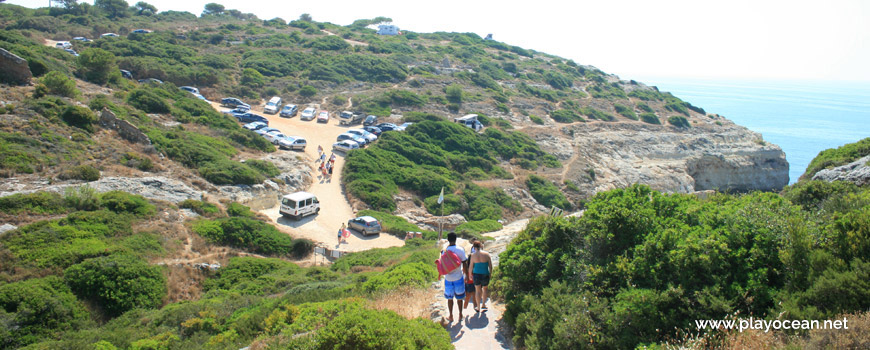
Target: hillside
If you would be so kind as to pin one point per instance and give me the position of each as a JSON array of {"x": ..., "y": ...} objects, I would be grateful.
[{"x": 116, "y": 192}]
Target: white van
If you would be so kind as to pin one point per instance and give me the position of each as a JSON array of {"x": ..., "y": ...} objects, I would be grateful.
[
  {"x": 273, "y": 105},
  {"x": 299, "y": 204}
]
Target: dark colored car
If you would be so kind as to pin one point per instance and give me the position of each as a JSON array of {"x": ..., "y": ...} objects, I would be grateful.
[
  {"x": 373, "y": 129},
  {"x": 251, "y": 117},
  {"x": 387, "y": 127},
  {"x": 370, "y": 120},
  {"x": 234, "y": 102}
]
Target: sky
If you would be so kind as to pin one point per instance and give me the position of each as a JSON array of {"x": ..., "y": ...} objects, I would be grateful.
[{"x": 735, "y": 39}]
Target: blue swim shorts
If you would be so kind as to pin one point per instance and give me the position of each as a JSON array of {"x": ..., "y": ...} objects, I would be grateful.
[{"x": 454, "y": 289}]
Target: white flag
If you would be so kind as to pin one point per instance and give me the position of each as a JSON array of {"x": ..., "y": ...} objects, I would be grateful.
[{"x": 441, "y": 196}]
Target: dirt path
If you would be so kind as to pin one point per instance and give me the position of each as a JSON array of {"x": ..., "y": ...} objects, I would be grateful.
[
  {"x": 351, "y": 42},
  {"x": 479, "y": 330},
  {"x": 334, "y": 208}
]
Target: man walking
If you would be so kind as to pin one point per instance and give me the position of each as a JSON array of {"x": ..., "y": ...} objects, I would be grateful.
[{"x": 454, "y": 283}]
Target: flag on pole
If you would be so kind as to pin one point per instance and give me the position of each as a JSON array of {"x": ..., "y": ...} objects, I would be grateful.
[{"x": 441, "y": 196}]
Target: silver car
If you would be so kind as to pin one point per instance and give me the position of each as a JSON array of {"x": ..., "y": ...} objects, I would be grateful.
[
  {"x": 308, "y": 113},
  {"x": 292, "y": 142},
  {"x": 364, "y": 134},
  {"x": 345, "y": 146},
  {"x": 366, "y": 225}
]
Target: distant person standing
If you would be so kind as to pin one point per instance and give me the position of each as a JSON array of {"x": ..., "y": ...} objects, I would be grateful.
[
  {"x": 341, "y": 232},
  {"x": 481, "y": 271},
  {"x": 454, "y": 283},
  {"x": 319, "y": 150}
]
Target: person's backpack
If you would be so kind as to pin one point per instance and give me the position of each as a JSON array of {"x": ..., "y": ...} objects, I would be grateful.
[{"x": 448, "y": 262}]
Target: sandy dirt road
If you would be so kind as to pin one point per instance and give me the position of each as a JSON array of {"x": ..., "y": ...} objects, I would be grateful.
[{"x": 334, "y": 208}]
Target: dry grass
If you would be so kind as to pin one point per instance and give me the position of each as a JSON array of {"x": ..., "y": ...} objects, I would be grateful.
[
  {"x": 184, "y": 282},
  {"x": 408, "y": 302}
]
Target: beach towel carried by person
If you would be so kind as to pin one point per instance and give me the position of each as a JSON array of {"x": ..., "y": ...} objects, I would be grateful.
[
  {"x": 448, "y": 262},
  {"x": 345, "y": 233}
]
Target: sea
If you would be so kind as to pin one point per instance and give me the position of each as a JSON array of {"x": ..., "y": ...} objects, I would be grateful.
[{"x": 802, "y": 117}]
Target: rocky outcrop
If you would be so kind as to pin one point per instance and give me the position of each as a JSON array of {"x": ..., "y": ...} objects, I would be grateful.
[
  {"x": 126, "y": 130},
  {"x": 295, "y": 175},
  {"x": 705, "y": 157},
  {"x": 13, "y": 69},
  {"x": 857, "y": 172},
  {"x": 152, "y": 187}
]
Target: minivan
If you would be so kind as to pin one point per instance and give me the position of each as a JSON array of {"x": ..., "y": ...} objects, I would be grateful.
[
  {"x": 273, "y": 105},
  {"x": 299, "y": 204}
]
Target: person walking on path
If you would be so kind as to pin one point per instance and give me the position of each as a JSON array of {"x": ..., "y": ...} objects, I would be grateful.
[
  {"x": 469, "y": 282},
  {"x": 454, "y": 283},
  {"x": 481, "y": 270},
  {"x": 319, "y": 149},
  {"x": 340, "y": 233}
]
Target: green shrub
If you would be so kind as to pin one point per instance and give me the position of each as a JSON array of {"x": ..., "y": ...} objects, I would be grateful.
[
  {"x": 572, "y": 186},
  {"x": 200, "y": 207},
  {"x": 123, "y": 202},
  {"x": 79, "y": 117},
  {"x": 547, "y": 193},
  {"x": 227, "y": 172},
  {"x": 536, "y": 119},
  {"x": 117, "y": 283},
  {"x": 39, "y": 308},
  {"x": 480, "y": 226},
  {"x": 308, "y": 91},
  {"x": 58, "y": 83},
  {"x": 391, "y": 224},
  {"x": 625, "y": 111},
  {"x": 97, "y": 65},
  {"x": 833, "y": 157},
  {"x": 85, "y": 172},
  {"x": 147, "y": 100},
  {"x": 236, "y": 209},
  {"x": 557, "y": 80},
  {"x": 33, "y": 203},
  {"x": 137, "y": 161},
  {"x": 252, "y": 235},
  {"x": 644, "y": 107},
  {"x": 264, "y": 167},
  {"x": 243, "y": 274},
  {"x": 679, "y": 121},
  {"x": 565, "y": 116},
  {"x": 454, "y": 93},
  {"x": 650, "y": 118}
]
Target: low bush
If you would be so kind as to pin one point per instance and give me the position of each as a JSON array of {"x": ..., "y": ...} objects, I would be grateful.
[
  {"x": 625, "y": 111},
  {"x": 536, "y": 119},
  {"x": 833, "y": 157},
  {"x": 679, "y": 121},
  {"x": 565, "y": 116},
  {"x": 38, "y": 309},
  {"x": 117, "y": 283},
  {"x": 137, "y": 161},
  {"x": 123, "y": 202},
  {"x": 34, "y": 203},
  {"x": 394, "y": 225},
  {"x": 593, "y": 113},
  {"x": 85, "y": 172},
  {"x": 264, "y": 167},
  {"x": 480, "y": 226},
  {"x": 547, "y": 193},
  {"x": 252, "y": 235},
  {"x": 148, "y": 101},
  {"x": 79, "y": 117},
  {"x": 650, "y": 118},
  {"x": 236, "y": 209},
  {"x": 200, "y": 207},
  {"x": 57, "y": 83}
]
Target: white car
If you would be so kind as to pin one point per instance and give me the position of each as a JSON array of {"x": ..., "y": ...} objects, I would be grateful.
[
  {"x": 345, "y": 146},
  {"x": 109, "y": 35},
  {"x": 364, "y": 134},
  {"x": 323, "y": 117},
  {"x": 273, "y": 137},
  {"x": 361, "y": 141},
  {"x": 63, "y": 45},
  {"x": 292, "y": 142},
  {"x": 308, "y": 113},
  {"x": 264, "y": 131}
]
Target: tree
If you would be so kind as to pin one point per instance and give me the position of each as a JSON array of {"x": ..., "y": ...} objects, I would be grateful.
[
  {"x": 213, "y": 9},
  {"x": 305, "y": 17},
  {"x": 96, "y": 65},
  {"x": 114, "y": 8},
  {"x": 145, "y": 9}
]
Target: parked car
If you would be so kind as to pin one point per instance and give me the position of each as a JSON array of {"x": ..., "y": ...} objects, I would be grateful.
[
  {"x": 82, "y": 39},
  {"x": 273, "y": 105},
  {"x": 404, "y": 126},
  {"x": 275, "y": 137},
  {"x": 63, "y": 45},
  {"x": 127, "y": 74},
  {"x": 237, "y": 112},
  {"x": 349, "y": 118},
  {"x": 190, "y": 89},
  {"x": 201, "y": 97},
  {"x": 364, "y": 134},
  {"x": 355, "y": 138},
  {"x": 387, "y": 127},
  {"x": 141, "y": 31},
  {"x": 264, "y": 131},
  {"x": 288, "y": 111},
  {"x": 234, "y": 102},
  {"x": 373, "y": 129},
  {"x": 255, "y": 125},
  {"x": 323, "y": 117},
  {"x": 370, "y": 120},
  {"x": 299, "y": 204},
  {"x": 345, "y": 146},
  {"x": 366, "y": 225},
  {"x": 109, "y": 35},
  {"x": 251, "y": 117},
  {"x": 72, "y": 52},
  {"x": 151, "y": 80},
  {"x": 308, "y": 113},
  {"x": 293, "y": 142}
]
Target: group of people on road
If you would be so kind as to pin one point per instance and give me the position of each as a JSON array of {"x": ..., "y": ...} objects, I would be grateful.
[
  {"x": 470, "y": 281},
  {"x": 325, "y": 165}
]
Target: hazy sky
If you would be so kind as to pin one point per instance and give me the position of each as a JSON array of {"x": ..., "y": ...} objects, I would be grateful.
[{"x": 794, "y": 39}]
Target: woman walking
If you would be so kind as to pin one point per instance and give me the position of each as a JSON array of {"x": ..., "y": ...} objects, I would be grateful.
[
  {"x": 469, "y": 281},
  {"x": 481, "y": 270}
]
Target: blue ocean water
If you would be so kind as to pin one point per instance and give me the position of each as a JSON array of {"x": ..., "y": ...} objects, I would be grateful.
[{"x": 802, "y": 117}]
